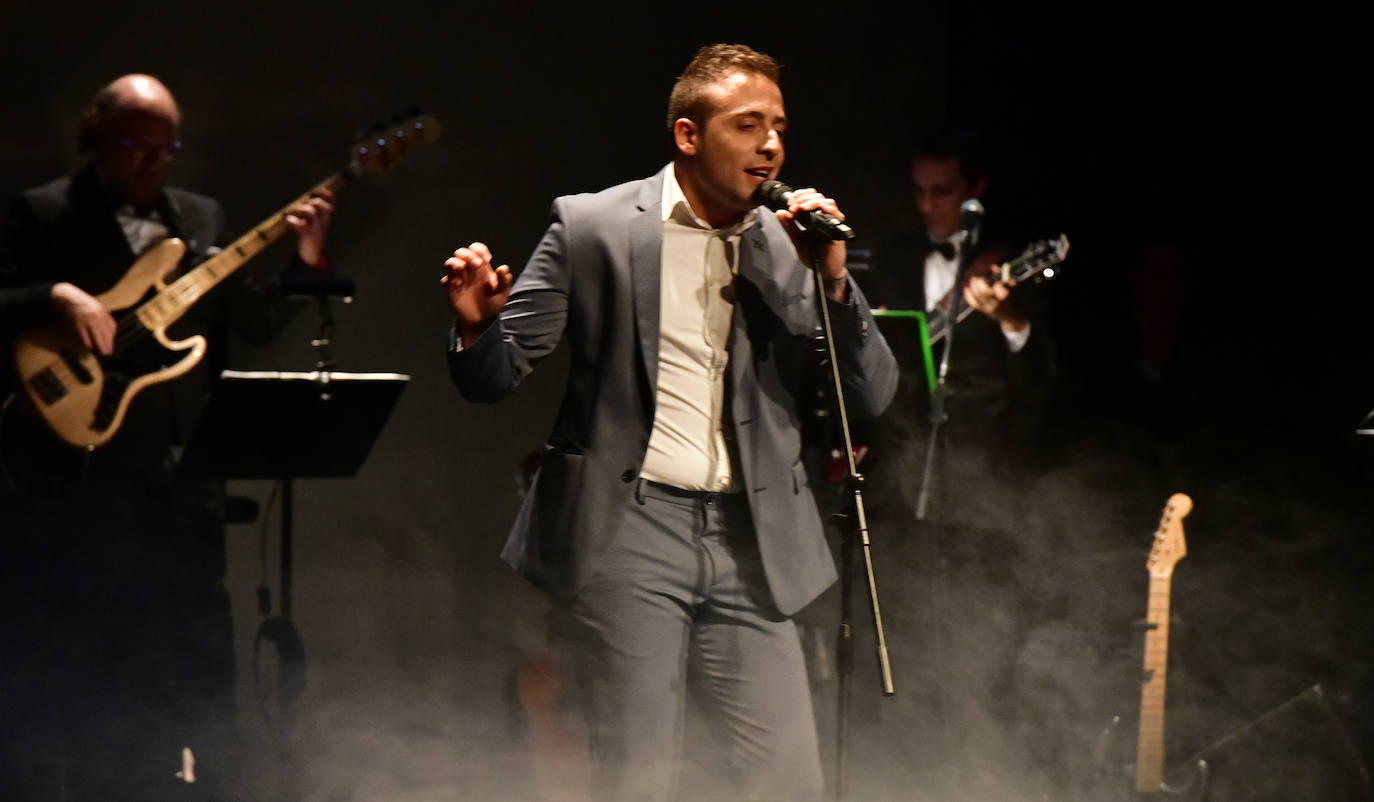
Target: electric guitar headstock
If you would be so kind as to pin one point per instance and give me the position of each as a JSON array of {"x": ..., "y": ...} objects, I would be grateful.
[
  {"x": 386, "y": 143},
  {"x": 1169, "y": 546},
  {"x": 1037, "y": 261}
]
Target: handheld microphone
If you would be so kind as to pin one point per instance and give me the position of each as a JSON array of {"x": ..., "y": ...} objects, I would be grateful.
[
  {"x": 774, "y": 195},
  {"x": 971, "y": 219}
]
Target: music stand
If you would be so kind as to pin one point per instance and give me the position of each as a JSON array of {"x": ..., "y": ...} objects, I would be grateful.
[
  {"x": 286, "y": 426},
  {"x": 918, "y": 319}
]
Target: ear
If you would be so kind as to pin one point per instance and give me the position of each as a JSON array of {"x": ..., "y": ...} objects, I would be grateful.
[{"x": 686, "y": 135}]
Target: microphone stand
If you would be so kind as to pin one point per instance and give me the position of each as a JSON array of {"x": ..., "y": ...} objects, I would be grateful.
[
  {"x": 940, "y": 393},
  {"x": 854, "y": 538}
]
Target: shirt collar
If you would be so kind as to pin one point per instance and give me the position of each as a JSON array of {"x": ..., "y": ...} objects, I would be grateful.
[{"x": 677, "y": 209}]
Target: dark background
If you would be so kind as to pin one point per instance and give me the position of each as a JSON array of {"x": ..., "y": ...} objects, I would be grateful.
[{"x": 1208, "y": 345}]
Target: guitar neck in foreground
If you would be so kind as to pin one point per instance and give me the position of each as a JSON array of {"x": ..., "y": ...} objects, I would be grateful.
[
  {"x": 1150, "y": 747},
  {"x": 1169, "y": 547}
]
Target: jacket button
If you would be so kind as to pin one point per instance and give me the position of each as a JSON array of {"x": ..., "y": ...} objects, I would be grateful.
[{"x": 628, "y": 476}]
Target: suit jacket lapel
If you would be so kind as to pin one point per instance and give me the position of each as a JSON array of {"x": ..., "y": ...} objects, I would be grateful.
[
  {"x": 768, "y": 261},
  {"x": 88, "y": 199},
  {"x": 753, "y": 253},
  {"x": 107, "y": 254},
  {"x": 753, "y": 262},
  {"x": 918, "y": 270},
  {"x": 759, "y": 258},
  {"x": 646, "y": 259},
  {"x": 175, "y": 220}
]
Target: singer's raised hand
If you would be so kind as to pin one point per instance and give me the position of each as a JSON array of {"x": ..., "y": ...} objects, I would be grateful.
[
  {"x": 476, "y": 291},
  {"x": 833, "y": 251}
]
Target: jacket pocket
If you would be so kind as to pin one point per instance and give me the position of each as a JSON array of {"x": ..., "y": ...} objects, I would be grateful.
[
  {"x": 799, "y": 480},
  {"x": 557, "y": 490}
]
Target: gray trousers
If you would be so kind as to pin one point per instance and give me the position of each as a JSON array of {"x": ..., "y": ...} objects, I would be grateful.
[{"x": 685, "y": 572}]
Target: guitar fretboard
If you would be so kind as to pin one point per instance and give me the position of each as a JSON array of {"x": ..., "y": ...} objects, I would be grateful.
[
  {"x": 1150, "y": 749},
  {"x": 171, "y": 303}
]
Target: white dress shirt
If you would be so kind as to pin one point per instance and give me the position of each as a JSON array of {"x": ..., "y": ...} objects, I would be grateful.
[{"x": 686, "y": 447}]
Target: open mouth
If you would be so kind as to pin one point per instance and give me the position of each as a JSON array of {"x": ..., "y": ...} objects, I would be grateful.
[{"x": 761, "y": 173}]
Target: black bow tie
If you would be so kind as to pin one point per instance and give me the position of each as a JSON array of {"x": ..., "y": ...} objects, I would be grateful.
[{"x": 945, "y": 249}]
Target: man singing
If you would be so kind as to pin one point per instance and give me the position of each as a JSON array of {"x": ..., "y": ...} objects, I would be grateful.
[{"x": 672, "y": 507}]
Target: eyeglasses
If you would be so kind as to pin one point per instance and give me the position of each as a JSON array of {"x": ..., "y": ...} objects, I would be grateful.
[{"x": 151, "y": 152}]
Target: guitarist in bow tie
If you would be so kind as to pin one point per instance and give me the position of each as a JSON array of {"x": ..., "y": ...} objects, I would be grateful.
[
  {"x": 1002, "y": 360},
  {"x": 114, "y": 620},
  {"x": 952, "y": 602}
]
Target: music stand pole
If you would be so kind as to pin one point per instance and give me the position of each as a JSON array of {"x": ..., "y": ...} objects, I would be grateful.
[
  {"x": 940, "y": 393},
  {"x": 286, "y": 552},
  {"x": 284, "y": 426},
  {"x": 854, "y": 538}
]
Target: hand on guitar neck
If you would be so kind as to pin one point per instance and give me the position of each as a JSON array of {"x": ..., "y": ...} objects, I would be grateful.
[
  {"x": 310, "y": 219},
  {"x": 986, "y": 292},
  {"x": 989, "y": 286}
]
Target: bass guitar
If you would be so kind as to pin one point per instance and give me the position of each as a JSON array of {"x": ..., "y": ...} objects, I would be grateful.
[{"x": 83, "y": 396}]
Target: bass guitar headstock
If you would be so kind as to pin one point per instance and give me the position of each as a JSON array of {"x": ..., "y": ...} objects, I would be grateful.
[{"x": 386, "y": 143}]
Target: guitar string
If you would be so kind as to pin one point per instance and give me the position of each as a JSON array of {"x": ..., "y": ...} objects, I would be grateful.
[
  {"x": 187, "y": 290},
  {"x": 183, "y": 292},
  {"x": 60, "y": 370}
]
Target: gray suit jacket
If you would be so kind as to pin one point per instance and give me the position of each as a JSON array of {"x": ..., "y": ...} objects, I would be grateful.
[{"x": 595, "y": 277}]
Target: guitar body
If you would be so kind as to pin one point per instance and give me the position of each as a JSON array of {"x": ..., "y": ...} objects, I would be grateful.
[
  {"x": 1190, "y": 786},
  {"x": 84, "y": 396},
  {"x": 1117, "y": 777}
]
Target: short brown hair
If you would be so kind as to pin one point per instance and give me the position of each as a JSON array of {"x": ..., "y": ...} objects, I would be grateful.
[{"x": 710, "y": 64}]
